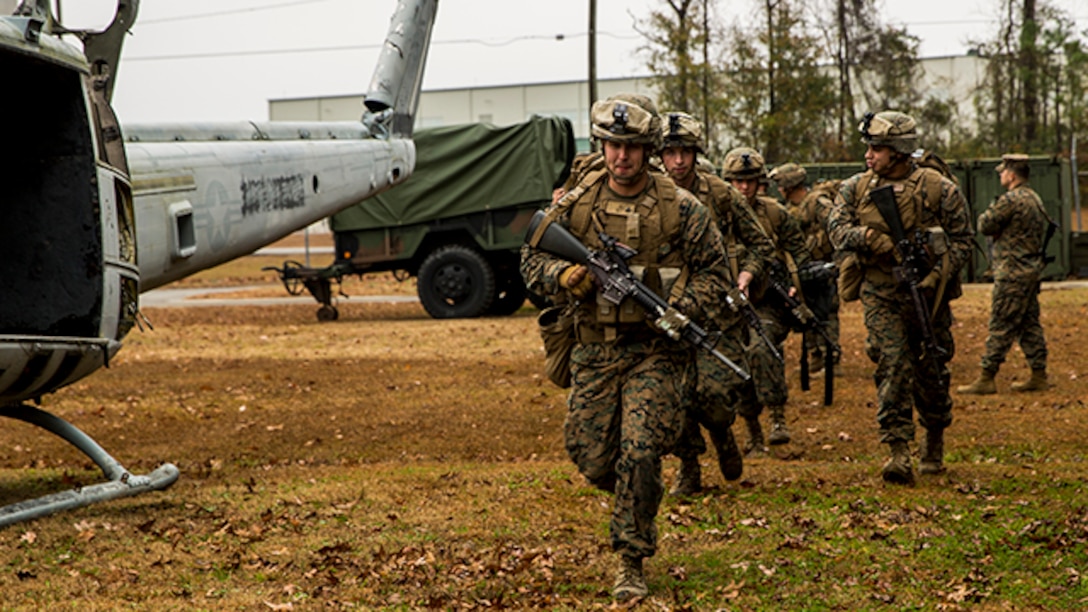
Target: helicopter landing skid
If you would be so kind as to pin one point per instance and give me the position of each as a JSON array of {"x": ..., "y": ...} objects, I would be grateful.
[{"x": 120, "y": 483}]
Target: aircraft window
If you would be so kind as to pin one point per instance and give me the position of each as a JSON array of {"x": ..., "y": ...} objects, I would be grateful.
[{"x": 184, "y": 230}]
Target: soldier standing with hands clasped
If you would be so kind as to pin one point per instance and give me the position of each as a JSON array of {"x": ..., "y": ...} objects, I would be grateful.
[
  {"x": 906, "y": 285},
  {"x": 1017, "y": 222},
  {"x": 630, "y": 382}
]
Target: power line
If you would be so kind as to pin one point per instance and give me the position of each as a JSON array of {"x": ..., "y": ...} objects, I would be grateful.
[
  {"x": 340, "y": 48},
  {"x": 252, "y": 9}
]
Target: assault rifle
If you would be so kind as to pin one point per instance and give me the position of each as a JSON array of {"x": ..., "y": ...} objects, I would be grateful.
[
  {"x": 616, "y": 282},
  {"x": 738, "y": 302},
  {"x": 913, "y": 265},
  {"x": 805, "y": 321},
  {"x": 803, "y": 316}
]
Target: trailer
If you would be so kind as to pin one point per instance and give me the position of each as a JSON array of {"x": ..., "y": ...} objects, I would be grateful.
[{"x": 457, "y": 225}]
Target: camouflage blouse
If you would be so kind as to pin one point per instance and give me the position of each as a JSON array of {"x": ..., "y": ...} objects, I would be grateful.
[
  {"x": 1017, "y": 223},
  {"x": 736, "y": 219}
]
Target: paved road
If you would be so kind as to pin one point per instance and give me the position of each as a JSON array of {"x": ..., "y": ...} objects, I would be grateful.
[
  {"x": 172, "y": 298},
  {"x": 189, "y": 297},
  {"x": 294, "y": 251}
]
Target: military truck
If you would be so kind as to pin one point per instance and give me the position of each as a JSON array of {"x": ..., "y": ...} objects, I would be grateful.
[{"x": 457, "y": 224}]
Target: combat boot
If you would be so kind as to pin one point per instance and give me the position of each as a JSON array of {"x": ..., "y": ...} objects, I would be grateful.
[
  {"x": 1037, "y": 382},
  {"x": 754, "y": 446},
  {"x": 779, "y": 433},
  {"x": 689, "y": 478},
  {"x": 630, "y": 582},
  {"x": 897, "y": 469},
  {"x": 730, "y": 460},
  {"x": 983, "y": 385},
  {"x": 932, "y": 452}
]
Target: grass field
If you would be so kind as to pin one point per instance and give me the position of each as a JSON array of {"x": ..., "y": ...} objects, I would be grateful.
[{"x": 392, "y": 461}]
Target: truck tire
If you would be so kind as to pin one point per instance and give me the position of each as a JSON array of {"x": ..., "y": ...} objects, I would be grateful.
[
  {"x": 456, "y": 282},
  {"x": 510, "y": 294}
]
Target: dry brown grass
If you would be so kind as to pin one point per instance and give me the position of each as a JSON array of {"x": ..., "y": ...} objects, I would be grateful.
[{"x": 392, "y": 461}]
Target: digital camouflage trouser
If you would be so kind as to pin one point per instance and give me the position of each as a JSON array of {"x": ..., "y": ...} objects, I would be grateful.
[
  {"x": 719, "y": 390},
  {"x": 1014, "y": 316},
  {"x": 624, "y": 413},
  {"x": 769, "y": 386},
  {"x": 906, "y": 378}
]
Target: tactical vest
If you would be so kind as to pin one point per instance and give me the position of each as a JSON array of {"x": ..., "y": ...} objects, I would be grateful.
[
  {"x": 718, "y": 198},
  {"x": 650, "y": 224},
  {"x": 816, "y": 239},
  {"x": 771, "y": 216},
  {"x": 918, "y": 197}
]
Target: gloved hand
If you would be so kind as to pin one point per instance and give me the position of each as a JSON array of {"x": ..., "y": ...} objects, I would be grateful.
[
  {"x": 931, "y": 280},
  {"x": 879, "y": 242},
  {"x": 673, "y": 323},
  {"x": 804, "y": 314},
  {"x": 577, "y": 280}
]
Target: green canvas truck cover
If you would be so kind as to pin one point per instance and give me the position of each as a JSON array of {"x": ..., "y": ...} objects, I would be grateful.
[{"x": 470, "y": 168}]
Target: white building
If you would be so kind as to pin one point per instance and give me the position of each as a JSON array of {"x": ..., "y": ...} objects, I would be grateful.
[{"x": 954, "y": 78}]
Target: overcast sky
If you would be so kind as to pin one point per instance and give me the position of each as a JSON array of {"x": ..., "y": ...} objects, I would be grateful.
[{"x": 212, "y": 60}]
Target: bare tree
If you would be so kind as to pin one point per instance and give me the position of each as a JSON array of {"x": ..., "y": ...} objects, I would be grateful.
[
  {"x": 683, "y": 81},
  {"x": 779, "y": 93},
  {"x": 1033, "y": 94}
]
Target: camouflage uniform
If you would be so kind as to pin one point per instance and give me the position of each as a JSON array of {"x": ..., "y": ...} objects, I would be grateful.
[
  {"x": 1017, "y": 222},
  {"x": 768, "y": 373},
  {"x": 812, "y": 213},
  {"x": 905, "y": 377},
  {"x": 630, "y": 383},
  {"x": 719, "y": 388},
  {"x": 745, "y": 168}
]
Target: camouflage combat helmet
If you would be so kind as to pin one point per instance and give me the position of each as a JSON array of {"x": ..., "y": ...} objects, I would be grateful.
[
  {"x": 682, "y": 130},
  {"x": 788, "y": 176},
  {"x": 890, "y": 129},
  {"x": 743, "y": 163},
  {"x": 626, "y": 117}
]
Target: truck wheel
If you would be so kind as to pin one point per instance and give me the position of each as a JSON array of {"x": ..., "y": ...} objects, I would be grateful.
[
  {"x": 509, "y": 294},
  {"x": 456, "y": 282},
  {"x": 327, "y": 313}
]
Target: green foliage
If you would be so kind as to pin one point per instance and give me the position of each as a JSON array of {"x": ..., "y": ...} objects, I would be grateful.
[
  {"x": 682, "y": 52},
  {"x": 779, "y": 95},
  {"x": 1033, "y": 95},
  {"x": 768, "y": 81},
  {"x": 771, "y": 89}
]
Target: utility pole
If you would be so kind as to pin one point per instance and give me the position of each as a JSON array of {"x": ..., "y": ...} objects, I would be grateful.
[
  {"x": 592, "y": 60},
  {"x": 1029, "y": 62},
  {"x": 706, "y": 73}
]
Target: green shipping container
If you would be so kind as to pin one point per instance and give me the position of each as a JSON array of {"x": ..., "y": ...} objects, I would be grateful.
[{"x": 1051, "y": 177}]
